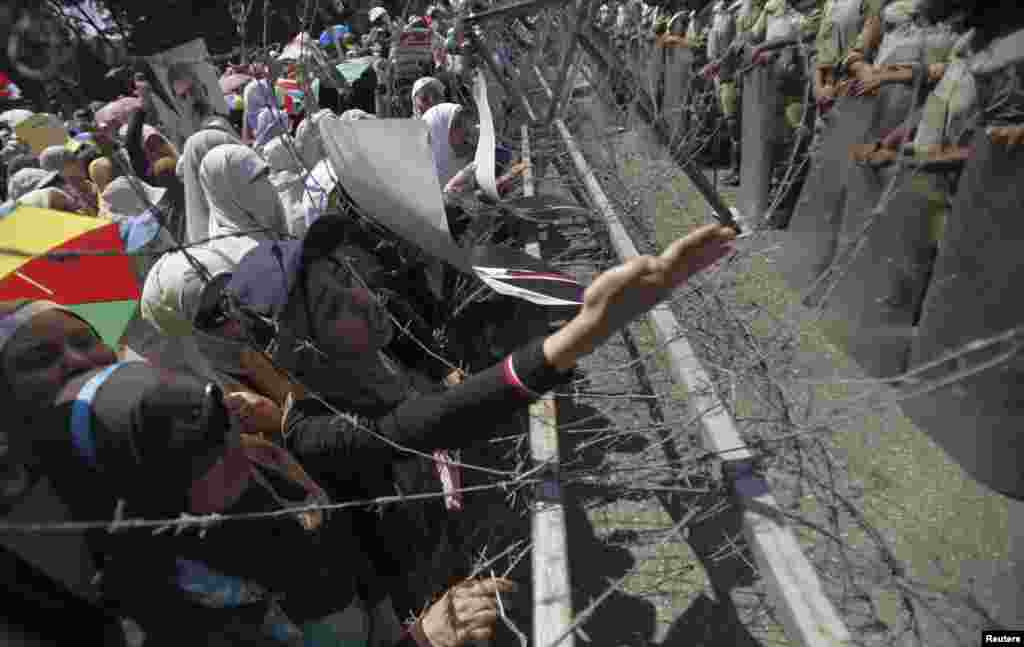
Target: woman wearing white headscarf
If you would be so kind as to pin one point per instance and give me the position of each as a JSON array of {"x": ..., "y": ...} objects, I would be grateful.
[
  {"x": 449, "y": 140},
  {"x": 427, "y": 92},
  {"x": 197, "y": 208},
  {"x": 290, "y": 170},
  {"x": 242, "y": 199}
]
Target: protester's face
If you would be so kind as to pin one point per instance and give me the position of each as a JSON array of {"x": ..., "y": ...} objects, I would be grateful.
[
  {"x": 424, "y": 101},
  {"x": 154, "y": 149},
  {"x": 46, "y": 353},
  {"x": 357, "y": 324}
]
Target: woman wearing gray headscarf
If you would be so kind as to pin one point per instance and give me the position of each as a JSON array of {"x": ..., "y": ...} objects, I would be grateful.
[
  {"x": 242, "y": 200},
  {"x": 427, "y": 92},
  {"x": 197, "y": 209}
]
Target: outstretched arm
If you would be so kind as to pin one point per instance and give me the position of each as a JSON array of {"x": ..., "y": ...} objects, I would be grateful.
[{"x": 453, "y": 418}]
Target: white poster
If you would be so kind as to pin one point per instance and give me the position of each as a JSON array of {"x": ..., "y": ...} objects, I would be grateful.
[
  {"x": 190, "y": 83},
  {"x": 485, "y": 147},
  {"x": 386, "y": 165}
]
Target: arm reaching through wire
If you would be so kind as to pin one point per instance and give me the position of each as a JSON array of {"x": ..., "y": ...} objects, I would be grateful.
[{"x": 450, "y": 418}]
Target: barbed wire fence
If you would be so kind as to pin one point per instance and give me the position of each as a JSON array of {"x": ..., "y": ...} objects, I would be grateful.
[{"x": 634, "y": 452}]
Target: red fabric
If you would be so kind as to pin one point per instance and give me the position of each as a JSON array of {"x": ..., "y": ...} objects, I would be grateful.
[
  {"x": 83, "y": 279},
  {"x": 511, "y": 378}
]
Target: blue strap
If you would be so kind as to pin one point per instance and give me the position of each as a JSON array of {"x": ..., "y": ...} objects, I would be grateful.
[{"x": 81, "y": 415}]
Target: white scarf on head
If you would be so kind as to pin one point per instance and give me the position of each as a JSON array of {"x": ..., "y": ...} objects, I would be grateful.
[
  {"x": 197, "y": 208},
  {"x": 439, "y": 120},
  {"x": 242, "y": 199}
]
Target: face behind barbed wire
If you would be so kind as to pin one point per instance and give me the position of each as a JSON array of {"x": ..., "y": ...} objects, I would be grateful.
[{"x": 46, "y": 353}]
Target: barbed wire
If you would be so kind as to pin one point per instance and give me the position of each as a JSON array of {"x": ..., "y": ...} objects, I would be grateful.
[{"x": 781, "y": 419}]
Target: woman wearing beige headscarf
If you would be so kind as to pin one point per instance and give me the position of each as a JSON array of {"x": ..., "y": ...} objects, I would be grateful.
[
  {"x": 197, "y": 208},
  {"x": 242, "y": 200},
  {"x": 102, "y": 172}
]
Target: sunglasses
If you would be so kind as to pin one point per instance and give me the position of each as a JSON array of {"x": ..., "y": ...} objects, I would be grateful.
[{"x": 215, "y": 315}]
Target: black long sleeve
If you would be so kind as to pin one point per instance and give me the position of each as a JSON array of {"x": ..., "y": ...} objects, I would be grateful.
[
  {"x": 455, "y": 418},
  {"x": 134, "y": 144}
]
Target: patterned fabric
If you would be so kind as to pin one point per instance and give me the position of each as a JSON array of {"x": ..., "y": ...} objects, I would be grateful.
[
  {"x": 749, "y": 14},
  {"x": 721, "y": 34},
  {"x": 216, "y": 590},
  {"x": 778, "y": 20},
  {"x": 902, "y": 43},
  {"x": 728, "y": 98},
  {"x": 949, "y": 109}
]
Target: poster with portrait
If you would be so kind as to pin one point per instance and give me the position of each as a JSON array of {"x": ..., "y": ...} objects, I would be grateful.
[{"x": 187, "y": 89}]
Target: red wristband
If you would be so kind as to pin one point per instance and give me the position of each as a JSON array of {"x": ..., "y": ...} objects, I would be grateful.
[{"x": 415, "y": 631}]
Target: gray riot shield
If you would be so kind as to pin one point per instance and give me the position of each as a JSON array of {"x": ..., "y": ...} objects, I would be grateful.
[
  {"x": 762, "y": 123},
  {"x": 814, "y": 230},
  {"x": 975, "y": 294},
  {"x": 878, "y": 278}
]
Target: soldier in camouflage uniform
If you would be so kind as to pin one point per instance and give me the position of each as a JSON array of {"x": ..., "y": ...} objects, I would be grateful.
[
  {"x": 905, "y": 30},
  {"x": 723, "y": 52},
  {"x": 842, "y": 22},
  {"x": 778, "y": 21}
]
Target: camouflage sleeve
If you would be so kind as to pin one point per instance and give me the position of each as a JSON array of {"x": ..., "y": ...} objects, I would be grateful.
[
  {"x": 760, "y": 27},
  {"x": 872, "y": 14},
  {"x": 949, "y": 108},
  {"x": 747, "y": 21},
  {"x": 825, "y": 42},
  {"x": 810, "y": 23},
  {"x": 873, "y": 9}
]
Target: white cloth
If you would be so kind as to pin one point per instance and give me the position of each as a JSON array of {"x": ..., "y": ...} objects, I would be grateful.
[
  {"x": 439, "y": 120},
  {"x": 242, "y": 200},
  {"x": 318, "y": 187},
  {"x": 197, "y": 207},
  {"x": 288, "y": 178},
  {"x": 308, "y": 140},
  {"x": 257, "y": 95}
]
